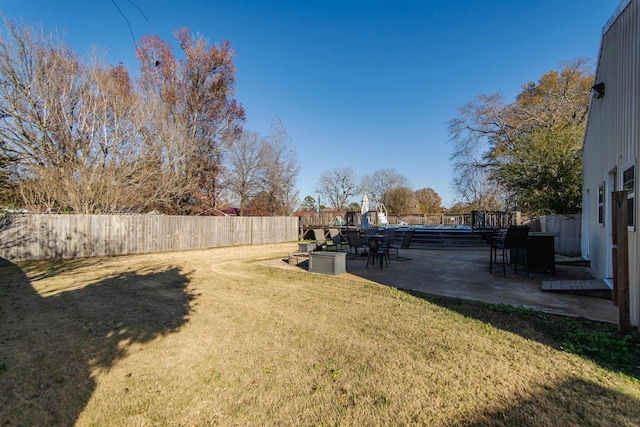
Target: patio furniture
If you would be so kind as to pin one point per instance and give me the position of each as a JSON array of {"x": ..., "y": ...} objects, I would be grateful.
[
  {"x": 387, "y": 241},
  {"x": 404, "y": 244},
  {"x": 321, "y": 240},
  {"x": 540, "y": 252},
  {"x": 369, "y": 233},
  {"x": 327, "y": 262},
  {"x": 376, "y": 253},
  {"x": 512, "y": 242},
  {"x": 355, "y": 241},
  {"x": 337, "y": 238},
  {"x": 306, "y": 246}
]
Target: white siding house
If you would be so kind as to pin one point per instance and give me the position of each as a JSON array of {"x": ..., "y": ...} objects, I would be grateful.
[{"x": 611, "y": 147}]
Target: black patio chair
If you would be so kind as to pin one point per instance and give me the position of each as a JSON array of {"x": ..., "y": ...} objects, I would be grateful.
[
  {"x": 377, "y": 253},
  {"x": 337, "y": 238},
  {"x": 355, "y": 242},
  {"x": 404, "y": 244},
  {"x": 513, "y": 241}
]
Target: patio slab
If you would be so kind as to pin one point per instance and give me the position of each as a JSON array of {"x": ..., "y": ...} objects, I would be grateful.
[{"x": 464, "y": 273}]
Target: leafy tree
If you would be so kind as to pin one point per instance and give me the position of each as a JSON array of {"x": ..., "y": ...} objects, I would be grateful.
[
  {"x": 309, "y": 203},
  {"x": 428, "y": 200},
  {"x": 338, "y": 185},
  {"x": 400, "y": 200},
  {"x": 513, "y": 142},
  {"x": 354, "y": 207},
  {"x": 545, "y": 176},
  {"x": 197, "y": 114},
  {"x": 259, "y": 203}
]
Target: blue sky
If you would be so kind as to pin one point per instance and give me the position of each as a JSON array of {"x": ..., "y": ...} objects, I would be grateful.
[{"x": 361, "y": 84}]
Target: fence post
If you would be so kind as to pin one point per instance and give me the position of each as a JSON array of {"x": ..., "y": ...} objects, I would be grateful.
[{"x": 621, "y": 255}]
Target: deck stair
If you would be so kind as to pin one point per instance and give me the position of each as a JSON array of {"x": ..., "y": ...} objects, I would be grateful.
[
  {"x": 382, "y": 218},
  {"x": 381, "y": 212},
  {"x": 447, "y": 239},
  {"x": 593, "y": 287}
]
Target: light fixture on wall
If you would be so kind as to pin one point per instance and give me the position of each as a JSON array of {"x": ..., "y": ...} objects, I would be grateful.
[{"x": 598, "y": 90}]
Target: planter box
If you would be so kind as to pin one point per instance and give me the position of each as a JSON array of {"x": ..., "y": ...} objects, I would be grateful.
[
  {"x": 306, "y": 246},
  {"x": 328, "y": 262}
]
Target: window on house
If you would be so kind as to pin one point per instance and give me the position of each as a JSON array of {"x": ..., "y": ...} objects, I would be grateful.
[
  {"x": 629, "y": 185},
  {"x": 601, "y": 203}
]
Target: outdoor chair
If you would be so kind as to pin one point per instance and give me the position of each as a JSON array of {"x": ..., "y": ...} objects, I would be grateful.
[
  {"x": 387, "y": 242},
  {"x": 514, "y": 241},
  {"x": 336, "y": 238},
  {"x": 376, "y": 253},
  {"x": 321, "y": 240},
  {"x": 369, "y": 233},
  {"x": 404, "y": 244},
  {"x": 355, "y": 241}
]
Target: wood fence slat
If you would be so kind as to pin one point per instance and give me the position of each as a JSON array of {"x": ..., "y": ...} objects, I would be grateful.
[{"x": 39, "y": 236}]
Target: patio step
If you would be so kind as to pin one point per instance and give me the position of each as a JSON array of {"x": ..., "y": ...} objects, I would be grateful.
[
  {"x": 593, "y": 287},
  {"x": 572, "y": 260}
]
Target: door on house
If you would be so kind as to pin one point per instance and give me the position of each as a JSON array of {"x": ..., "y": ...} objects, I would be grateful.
[
  {"x": 585, "y": 245},
  {"x": 611, "y": 187}
]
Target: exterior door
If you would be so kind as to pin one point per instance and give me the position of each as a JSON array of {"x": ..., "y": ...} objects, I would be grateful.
[{"x": 611, "y": 187}]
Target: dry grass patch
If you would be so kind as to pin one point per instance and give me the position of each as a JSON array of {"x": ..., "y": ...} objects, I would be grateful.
[{"x": 209, "y": 337}]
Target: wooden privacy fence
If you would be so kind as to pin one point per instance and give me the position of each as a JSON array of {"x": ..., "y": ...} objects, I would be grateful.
[
  {"x": 41, "y": 236},
  {"x": 567, "y": 229}
]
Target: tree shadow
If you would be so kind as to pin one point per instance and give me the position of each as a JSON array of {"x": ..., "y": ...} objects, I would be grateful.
[
  {"x": 596, "y": 341},
  {"x": 572, "y": 402},
  {"x": 52, "y": 342}
]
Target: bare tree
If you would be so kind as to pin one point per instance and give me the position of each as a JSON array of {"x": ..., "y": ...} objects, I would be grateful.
[
  {"x": 280, "y": 168},
  {"x": 83, "y": 138},
  {"x": 246, "y": 167},
  {"x": 338, "y": 185},
  {"x": 381, "y": 181},
  {"x": 478, "y": 191},
  {"x": 66, "y": 127}
]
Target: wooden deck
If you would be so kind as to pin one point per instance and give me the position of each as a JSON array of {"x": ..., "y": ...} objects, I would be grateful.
[
  {"x": 593, "y": 287},
  {"x": 575, "y": 285}
]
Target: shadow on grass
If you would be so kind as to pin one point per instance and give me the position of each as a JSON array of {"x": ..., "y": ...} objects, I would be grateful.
[
  {"x": 595, "y": 341},
  {"x": 559, "y": 405},
  {"x": 51, "y": 345}
]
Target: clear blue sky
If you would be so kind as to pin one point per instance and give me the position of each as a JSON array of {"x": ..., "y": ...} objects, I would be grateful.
[{"x": 366, "y": 84}]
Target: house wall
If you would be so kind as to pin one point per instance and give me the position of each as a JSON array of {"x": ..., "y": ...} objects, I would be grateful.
[{"x": 611, "y": 143}]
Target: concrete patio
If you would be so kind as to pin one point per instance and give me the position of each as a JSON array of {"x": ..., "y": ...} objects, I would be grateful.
[{"x": 464, "y": 273}]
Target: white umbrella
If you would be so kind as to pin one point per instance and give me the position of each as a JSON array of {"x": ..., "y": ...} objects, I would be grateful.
[
  {"x": 365, "y": 204},
  {"x": 364, "y": 209}
]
